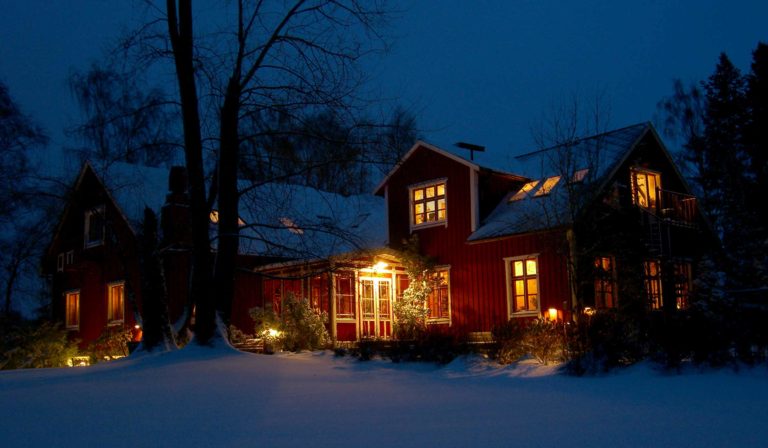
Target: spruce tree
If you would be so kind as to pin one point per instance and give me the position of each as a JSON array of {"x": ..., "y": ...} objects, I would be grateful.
[{"x": 757, "y": 147}]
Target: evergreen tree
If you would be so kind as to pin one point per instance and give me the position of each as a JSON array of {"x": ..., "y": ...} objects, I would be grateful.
[
  {"x": 757, "y": 147},
  {"x": 723, "y": 162}
]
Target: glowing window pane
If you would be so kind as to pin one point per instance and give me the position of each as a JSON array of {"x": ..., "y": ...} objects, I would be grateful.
[
  {"x": 524, "y": 191},
  {"x": 579, "y": 175},
  {"x": 441, "y": 204},
  {"x": 519, "y": 269},
  {"x": 418, "y": 195},
  {"x": 532, "y": 286},
  {"x": 419, "y": 208},
  {"x": 419, "y": 218},
  {"x": 72, "y": 300},
  {"x": 530, "y": 267},
  {"x": 519, "y": 288},
  {"x": 115, "y": 302},
  {"x": 441, "y": 190},
  {"x": 441, "y": 214},
  {"x": 430, "y": 192},
  {"x": 549, "y": 184}
]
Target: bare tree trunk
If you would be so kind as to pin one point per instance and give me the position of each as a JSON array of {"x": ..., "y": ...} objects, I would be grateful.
[
  {"x": 182, "y": 42},
  {"x": 228, "y": 243}
]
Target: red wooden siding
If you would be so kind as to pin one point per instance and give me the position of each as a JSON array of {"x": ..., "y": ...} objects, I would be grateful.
[{"x": 478, "y": 289}]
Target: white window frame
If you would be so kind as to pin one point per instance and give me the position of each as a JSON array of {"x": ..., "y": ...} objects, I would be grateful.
[
  {"x": 110, "y": 311},
  {"x": 443, "y": 320},
  {"x": 67, "y": 324},
  {"x": 69, "y": 258},
  {"x": 354, "y": 294},
  {"x": 60, "y": 263},
  {"x": 508, "y": 262},
  {"x": 99, "y": 210},
  {"x": 411, "y": 216}
]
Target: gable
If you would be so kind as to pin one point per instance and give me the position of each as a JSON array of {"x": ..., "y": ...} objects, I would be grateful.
[
  {"x": 607, "y": 157},
  {"x": 88, "y": 194}
]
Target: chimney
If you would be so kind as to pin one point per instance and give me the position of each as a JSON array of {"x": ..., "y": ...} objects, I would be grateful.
[{"x": 174, "y": 217}]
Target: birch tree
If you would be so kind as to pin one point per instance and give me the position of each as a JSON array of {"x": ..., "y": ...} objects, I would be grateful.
[{"x": 297, "y": 58}]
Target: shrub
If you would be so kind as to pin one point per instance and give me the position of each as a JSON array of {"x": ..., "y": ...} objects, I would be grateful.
[
  {"x": 540, "y": 338},
  {"x": 113, "y": 343},
  {"x": 303, "y": 327},
  {"x": 300, "y": 327},
  {"x": 28, "y": 345},
  {"x": 545, "y": 340},
  {"x": 603, "y": 341},
  {"x": 411, "y": 311},
  {"x": 509, "y": 338}
]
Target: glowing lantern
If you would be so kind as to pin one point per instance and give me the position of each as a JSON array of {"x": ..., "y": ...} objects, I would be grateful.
[{"x": 552, "y": 314}]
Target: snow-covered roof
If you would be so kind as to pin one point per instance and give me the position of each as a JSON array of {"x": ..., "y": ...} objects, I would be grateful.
[
  {"x": 302, "y": 222},
  {"x": 280, "y": 219},
  {"x": 599, "y": 155},
  {"x": 134, "y": 187}
]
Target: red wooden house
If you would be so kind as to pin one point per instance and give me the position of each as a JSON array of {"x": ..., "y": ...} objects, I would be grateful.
[{"x": 599, "y": 222}]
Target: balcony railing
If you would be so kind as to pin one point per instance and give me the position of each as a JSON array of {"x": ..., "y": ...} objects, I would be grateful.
[{"x": 676, "y": 207}]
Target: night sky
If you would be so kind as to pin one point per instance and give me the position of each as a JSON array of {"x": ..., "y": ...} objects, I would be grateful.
[{"x": 477, "y": 71}]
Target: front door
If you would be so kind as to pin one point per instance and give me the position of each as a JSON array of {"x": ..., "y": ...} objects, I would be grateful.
[{"x": 376, "y": 307}]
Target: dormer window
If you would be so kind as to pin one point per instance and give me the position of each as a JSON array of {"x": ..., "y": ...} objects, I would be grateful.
[
  {"x": 645, "y": 186},
  {"x": 549, "y": 184},
  {"x": 94, "y": 226},
  {"x": 428, "y": 203},
  {"x": 523, "y": 192},
  {"x": 291, "y": 226},
  {"x": 214, "y": 218}
]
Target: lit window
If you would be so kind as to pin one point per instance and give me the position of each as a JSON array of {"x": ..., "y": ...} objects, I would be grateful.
[
  {"x": 318, "y": 293},
  {"x": 652, "y": 280},
  {"x": 605, "y": 283},
  {"x": 401, "y": 285},
  {"x": 291, "y": 226},
  {"x": 72, "y": 311},
  {"x": 94, "y": 227},
  {"x": 115, "y": 302},
  {"x": 438, "y": 302},
  {"x": 428, "y": 204},
  {"x": 524, "y": 191},
  {"x": 682, "y": 284},
  {"x": 549, "y": 184},
  {"x": 579, "y": 175},
  {"x": 345, "y": 296},
  {"x": 645, "y": 186},
  {"x": 523, "y": 284},
  {"x": 214, "y": 217}
]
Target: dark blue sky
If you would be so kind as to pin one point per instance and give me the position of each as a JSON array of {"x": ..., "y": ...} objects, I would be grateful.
[{"x": 479, "y": 71}]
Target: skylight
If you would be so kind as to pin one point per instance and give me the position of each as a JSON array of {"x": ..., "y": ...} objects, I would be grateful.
[
  {"x": 524, "y": 191},
  {"x": 549, "y": 184},
  {"x": 291, "y": 226},
  {"x": 579, "y": 175}
]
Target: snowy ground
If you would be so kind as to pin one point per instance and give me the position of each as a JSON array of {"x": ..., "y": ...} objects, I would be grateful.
[{"x": 204, "y": 398}]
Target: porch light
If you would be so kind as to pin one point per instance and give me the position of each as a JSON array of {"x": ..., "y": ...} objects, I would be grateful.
[
  {"x": 380, "y": 266},
  {"x": 589, "y": 311},
  {"x": 552, "y": 314},
  {"x": 137, "y": 326}
]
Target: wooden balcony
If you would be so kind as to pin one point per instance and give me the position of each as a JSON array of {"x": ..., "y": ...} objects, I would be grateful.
[{"x": 675, "y": 208}]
